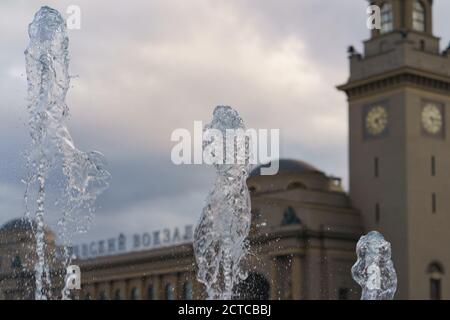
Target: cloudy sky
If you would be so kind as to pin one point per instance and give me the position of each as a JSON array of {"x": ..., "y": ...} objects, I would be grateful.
[{"x": 145, "y": 68}]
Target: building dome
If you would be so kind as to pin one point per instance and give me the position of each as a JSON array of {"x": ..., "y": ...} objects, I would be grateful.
[
  {"x": 288, "y": 166},
  {"x": 292, "y": 174},
  {"x": 22, "y": 231},
  {"x": 20, "y": 224}
]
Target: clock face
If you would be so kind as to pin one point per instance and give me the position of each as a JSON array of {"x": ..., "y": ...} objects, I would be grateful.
[
  {"x": 432, "y": 119},
  {"x": 376, "y": 120}
]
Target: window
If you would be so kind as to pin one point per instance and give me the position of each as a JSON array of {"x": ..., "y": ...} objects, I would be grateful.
[
  {"x": 377, "y": 213},
  {"x": 254, "y": 287},
  {"x": 418, "y": 16},
  {"x": 433, "y": 203},
  {"x": 376, "y": 169},
  {"x": 103, "y": 296},
  {"x": 117, "y": 295},
  {"x": 422, "y": 45},
  {"x": 187, "y": 290},
  {"x": 433, "y": 166},
  {"x": 151, "y": 293},
  {"x": 135, "y": 294},
  {"x": 16, "y": 263},
  {"x": 343, "y": 294},
  {"x": 436, "y": 272},
  {"x": 168, "y": 292},
  {"x": 435, "y": 289},
  {"x": 387, "y": 18}
]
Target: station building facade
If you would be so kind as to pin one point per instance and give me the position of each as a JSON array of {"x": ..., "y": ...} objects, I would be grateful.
[{"x": 302, "y": 246}]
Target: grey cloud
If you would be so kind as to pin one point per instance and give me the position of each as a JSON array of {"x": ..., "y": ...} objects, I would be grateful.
[{"x": 145, "y": 68}]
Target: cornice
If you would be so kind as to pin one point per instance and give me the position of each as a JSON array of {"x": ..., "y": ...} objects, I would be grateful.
[{"x": 405, "y": 76}]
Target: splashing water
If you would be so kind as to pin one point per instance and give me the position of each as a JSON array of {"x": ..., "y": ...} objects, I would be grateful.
[
  {"x": 374, "y": 270},
  {"x": 220, "y": 236},
  {"x": 47, "y": 65}
]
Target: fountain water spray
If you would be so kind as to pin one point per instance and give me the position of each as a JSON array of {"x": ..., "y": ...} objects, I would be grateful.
[
  {"x": 220, "y": 236},
  {"x": 47, "y": 65},
  {"x": 374, "y": 270}
]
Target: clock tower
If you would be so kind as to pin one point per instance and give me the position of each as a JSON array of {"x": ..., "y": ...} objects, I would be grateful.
[{"x": 399, "y": 144}]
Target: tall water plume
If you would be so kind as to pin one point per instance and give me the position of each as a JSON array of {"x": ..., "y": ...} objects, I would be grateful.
[
  {"x": 220, "y": 236},
  {"x": 84, "y": 173}
]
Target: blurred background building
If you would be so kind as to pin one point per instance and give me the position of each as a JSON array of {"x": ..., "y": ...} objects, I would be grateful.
[{"x": 302, "y": 241}]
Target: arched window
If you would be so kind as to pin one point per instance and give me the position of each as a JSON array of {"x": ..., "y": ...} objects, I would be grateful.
[
  {"x": 435, "y": 272},
  {"x": 151, "y": 293},
  {"x": 135, "y": 294},
  {"x": 117, "y": 295},
  {"x": 187, "y": 290},
  {"x": 387, "y": 18},
  {"x": 418, "y": 16},
  {"x": 168, "y": 292}
]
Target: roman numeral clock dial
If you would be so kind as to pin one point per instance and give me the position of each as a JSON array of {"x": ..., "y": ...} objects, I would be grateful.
[
  {"x": 432, "y": 119},
  {"x": 376, "y": 120}
]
